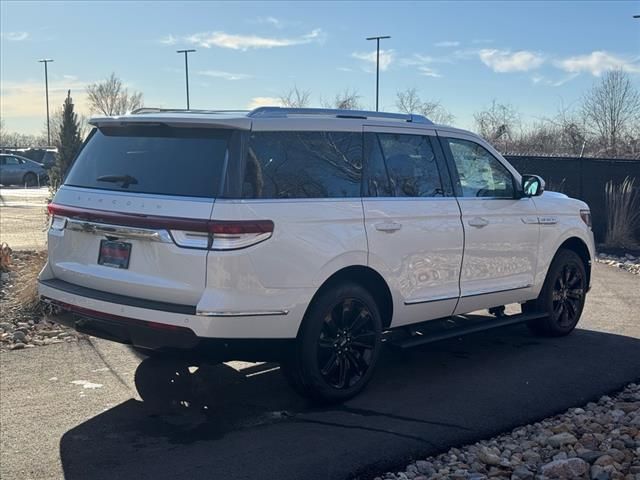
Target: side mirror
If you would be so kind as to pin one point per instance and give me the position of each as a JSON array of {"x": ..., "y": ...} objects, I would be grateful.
[{"x": 532, "y": 185}]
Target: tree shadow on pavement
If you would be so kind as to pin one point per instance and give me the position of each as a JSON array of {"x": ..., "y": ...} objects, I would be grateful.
[{"x": 420, "y": 402}]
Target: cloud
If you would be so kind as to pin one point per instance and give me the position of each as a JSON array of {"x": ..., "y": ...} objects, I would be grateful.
[
  {"x": 423, "y": 63},
  {"x": 243, "y": 42},
  {"x": 505, "y": 61},
  {"x": 598, "y": 62},
  {"x": 541, "y": 80},
  {"x": 345, "y": 69},
  {"x": 224, "y": 75},
  {"x": 270, "y": 21},
  {"x": 256, "y": 102},
  {"x": 447, "y": 43},
  {"x": 386, "y": 57},
  {"x": 26, "y": 98},
  {"x": 428, "y": 72},
  {"x": 169, "y": 40},
  {"x": 15, "y": 36}
]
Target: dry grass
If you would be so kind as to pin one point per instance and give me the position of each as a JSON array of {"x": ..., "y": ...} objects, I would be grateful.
[
  {"x": 622, "y": 204},
  {"x": 20, "y": 293}
]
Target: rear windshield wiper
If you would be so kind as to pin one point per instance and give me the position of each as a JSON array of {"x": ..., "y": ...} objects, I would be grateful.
[{"x": 126, "y": 180}]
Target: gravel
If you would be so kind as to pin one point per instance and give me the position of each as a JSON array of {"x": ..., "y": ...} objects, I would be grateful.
[
  {"x": 628, "y": 262},
  {"x": 600, "y": 441},
  {"x": 24, "y": 322}
]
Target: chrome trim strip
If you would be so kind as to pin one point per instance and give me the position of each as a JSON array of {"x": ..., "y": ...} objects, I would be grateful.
[
  {"x": 441, "y": 299},
  {"x": 118, "y": 231},
  {"x": 334, "y": 200},
  {"x": 489, "y": 292},
  {"x": 428, "y": 300},
  {"x": 242, "y": 314}
]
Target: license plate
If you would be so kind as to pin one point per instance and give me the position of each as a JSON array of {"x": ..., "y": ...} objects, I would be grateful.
[{"x": 114, "y": 254}]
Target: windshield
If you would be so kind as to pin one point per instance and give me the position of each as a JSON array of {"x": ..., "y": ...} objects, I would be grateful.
[{"x": 156, "y": 159}]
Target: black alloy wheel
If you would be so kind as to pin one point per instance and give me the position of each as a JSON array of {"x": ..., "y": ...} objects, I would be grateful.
[
  {"x": 346, "y": 343},
  {"x": 562, "y": 296},
  {"x": 338, "y": 345},
  {"x": 568, "y": 296}
]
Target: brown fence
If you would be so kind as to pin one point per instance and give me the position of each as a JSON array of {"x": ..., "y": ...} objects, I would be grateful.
[{"x": 583, "y": 178}]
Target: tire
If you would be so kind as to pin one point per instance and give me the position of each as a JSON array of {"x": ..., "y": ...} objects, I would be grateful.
[
  {"x": 338, "y": 345},
  {"x": 163, "y": 384},
  {"x": 30, "y": 179},
  {"x": 563, "y": 295}
]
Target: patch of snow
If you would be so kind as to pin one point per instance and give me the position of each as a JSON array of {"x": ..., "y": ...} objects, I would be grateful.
[{"x": 87, "y": 384}]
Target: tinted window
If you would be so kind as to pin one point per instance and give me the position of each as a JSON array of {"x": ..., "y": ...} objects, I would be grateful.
[
  {"x": 303, "y": 165},
  {"x": 481, "y": 174},
  {"x": 410, "y": 164},
  {"x": 376, "y": 171},
  {"x": 152, "y": 159},
  {"x": 12, "y": 161}
]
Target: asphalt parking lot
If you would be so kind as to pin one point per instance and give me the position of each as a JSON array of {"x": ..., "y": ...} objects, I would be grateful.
[{"x": 70, "y": 410}]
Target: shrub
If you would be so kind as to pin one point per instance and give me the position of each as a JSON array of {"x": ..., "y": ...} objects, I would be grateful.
[{"x": 622, "y": 203}]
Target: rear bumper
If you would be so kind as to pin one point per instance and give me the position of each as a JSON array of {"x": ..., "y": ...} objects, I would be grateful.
[
  {"x": 169, "y": 327},
  {"x": 177, "y": 342}
]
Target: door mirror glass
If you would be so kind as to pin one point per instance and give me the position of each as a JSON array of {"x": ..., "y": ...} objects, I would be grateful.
[{"x": 532, "y": 185}]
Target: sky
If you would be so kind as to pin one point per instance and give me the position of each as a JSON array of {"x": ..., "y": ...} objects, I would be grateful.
[{"x": 536, "y": 56}]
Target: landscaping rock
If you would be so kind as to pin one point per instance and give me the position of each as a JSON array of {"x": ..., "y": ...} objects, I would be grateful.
[
  {"x": 627, "y": 262},
  {"x": 598, "y": 441},
  {"x": 562, "y": 439},
  {"x": 569, "y": 468}
]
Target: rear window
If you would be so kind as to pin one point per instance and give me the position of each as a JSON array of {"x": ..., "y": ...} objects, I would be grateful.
[
  {"x": 303, "y": 165},
  {"x": 153, "y": 159}
]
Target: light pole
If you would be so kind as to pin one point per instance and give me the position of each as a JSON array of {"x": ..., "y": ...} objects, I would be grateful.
[
  {"x": 186, "y": 70},
  {"x": 46, "y": 89},
  {"x": 377, "y": 39}
]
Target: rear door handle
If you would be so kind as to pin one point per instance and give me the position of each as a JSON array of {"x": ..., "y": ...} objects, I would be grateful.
[
  {"x": 478, "y": 222},
  {"x": 388, "y": 226}
]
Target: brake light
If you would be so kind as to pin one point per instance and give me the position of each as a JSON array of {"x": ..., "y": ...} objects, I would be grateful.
[
  {"x": 185, "y": 232},
  {"x": 226, "y": 234}
]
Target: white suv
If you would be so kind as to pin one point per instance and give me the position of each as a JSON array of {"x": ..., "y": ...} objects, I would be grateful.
[{"x": 305, "y": 236}]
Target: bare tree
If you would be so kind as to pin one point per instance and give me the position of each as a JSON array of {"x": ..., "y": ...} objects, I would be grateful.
[
  {"x": 110, "y": 97},
  {"x": 345, "y": 100},
  {"x": 296, "y": 98},
  {"x": 611, "y": 110},
  {"x": 409, "y": 101},
  {"x": 19, "y": 140},
  {"x": 500, "y": 121}
]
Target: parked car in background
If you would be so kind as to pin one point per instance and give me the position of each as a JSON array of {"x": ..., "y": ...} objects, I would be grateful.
[
  {"x": 305, "y": 236},
  {"x": 45, "y": 156},
  {"x": 17, "y": 170}
]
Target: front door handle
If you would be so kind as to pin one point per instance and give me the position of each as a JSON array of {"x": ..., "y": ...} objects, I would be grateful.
[
  {"x": 478, "y": 222},
  {"x": 388, "y": 226}
]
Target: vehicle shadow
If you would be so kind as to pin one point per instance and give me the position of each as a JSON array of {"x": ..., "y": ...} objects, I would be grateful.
[{"x": 420, "y": 402}]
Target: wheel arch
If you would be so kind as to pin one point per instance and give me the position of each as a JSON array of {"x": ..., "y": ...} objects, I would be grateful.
[
  {"x": 369, "y": 279},
  {"x": 578, "y": 246}
]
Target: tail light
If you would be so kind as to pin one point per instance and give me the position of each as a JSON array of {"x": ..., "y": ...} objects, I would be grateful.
[
  {"x": 185, "y": 232},
  {"x": 225, "y": 234}
]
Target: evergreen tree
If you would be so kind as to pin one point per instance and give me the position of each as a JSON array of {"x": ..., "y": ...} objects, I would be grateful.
[{"x": 68, "y": 142}]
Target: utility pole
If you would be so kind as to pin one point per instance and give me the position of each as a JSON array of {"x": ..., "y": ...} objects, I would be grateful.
[
  {"x": 186, "y": 70},
  {"x": 377, "y": 39},
  {"x": 46, "y": 90}
]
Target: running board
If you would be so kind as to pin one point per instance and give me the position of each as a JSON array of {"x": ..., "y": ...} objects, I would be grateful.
[{"x": 436, "y": 330}]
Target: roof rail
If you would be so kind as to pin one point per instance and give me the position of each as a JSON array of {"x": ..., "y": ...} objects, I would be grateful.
[
  {"x": 271, "y": 112},
  {"x": 143, "y": 110}
]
